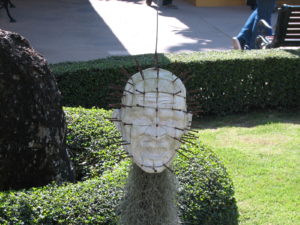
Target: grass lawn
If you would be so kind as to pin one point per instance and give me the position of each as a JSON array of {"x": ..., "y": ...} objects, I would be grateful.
[{"x": 261, "y": 152}]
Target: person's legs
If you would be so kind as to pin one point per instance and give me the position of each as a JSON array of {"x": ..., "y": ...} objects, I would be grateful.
[
  {"x": 246, "y": 32},
  {"x": 264, "y": 11}
]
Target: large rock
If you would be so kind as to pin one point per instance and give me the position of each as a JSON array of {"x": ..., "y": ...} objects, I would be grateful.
[{"x": 32, "y": 122}]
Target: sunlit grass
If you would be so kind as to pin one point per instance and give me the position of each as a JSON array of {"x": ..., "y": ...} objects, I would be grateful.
[{"x": 261, "y": 152}]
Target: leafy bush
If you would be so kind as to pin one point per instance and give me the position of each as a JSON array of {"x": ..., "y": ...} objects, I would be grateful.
[
  {"x": 205, "y": 190},
  {"x": 229, "y": 81},
  {"x": 90, "y": 141},
  {"x": 206, "y": 193},
  {"x": 90, "y": 202},
  {"x": 205, "y": 197}
]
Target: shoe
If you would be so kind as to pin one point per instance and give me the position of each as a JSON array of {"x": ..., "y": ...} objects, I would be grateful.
[
  {"x": 148, "y": 2},
  {"x": 170, "y": 6},
  {"x": 263, "y": 42},
  {"x": 237, "y": 44},
  {"x": 263, "y": 28}
]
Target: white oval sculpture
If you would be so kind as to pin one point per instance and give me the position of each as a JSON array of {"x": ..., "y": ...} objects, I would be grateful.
[{"x": 153, "y": 118}]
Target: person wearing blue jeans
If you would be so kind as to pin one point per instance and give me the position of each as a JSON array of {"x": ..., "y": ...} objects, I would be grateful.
[{"x": 249, "y": 32}]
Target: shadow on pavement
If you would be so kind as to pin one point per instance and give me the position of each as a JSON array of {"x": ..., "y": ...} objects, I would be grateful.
[
  {"x": 63, "y": 30},
  {"x": 205, "y": 26}
]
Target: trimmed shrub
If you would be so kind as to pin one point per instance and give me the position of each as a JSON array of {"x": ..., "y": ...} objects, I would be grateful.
[
  {"x": 205, "y": 196},
  {"x": 205, "y": 190},
  {"x": 89, "y": 202},
  {"x": 227, "y": 82},
  {"x": 90, "y": 140}
]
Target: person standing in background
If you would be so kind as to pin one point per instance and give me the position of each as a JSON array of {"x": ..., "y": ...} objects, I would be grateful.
[
  {"x": 165, "y": 3},
  {"x": 246, "y": 38},
  {"x": 251, "y": 3},
  {"x": 168, "y": 3}
]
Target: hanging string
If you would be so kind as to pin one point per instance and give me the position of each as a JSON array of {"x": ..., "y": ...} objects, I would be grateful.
[{"x": 156, "y": 37}]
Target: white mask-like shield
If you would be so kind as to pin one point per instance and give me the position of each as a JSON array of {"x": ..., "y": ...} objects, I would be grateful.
[{"x": 153, "y": 118}]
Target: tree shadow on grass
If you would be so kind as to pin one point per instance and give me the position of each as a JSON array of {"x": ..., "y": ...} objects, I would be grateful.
[{"x": 248, "y": 120}]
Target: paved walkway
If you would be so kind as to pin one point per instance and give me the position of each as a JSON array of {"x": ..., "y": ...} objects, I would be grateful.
[{"x": 79, "y": 30}]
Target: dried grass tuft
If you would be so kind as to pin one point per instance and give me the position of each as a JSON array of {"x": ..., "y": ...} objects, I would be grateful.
[{"x": 150, "y": 199}]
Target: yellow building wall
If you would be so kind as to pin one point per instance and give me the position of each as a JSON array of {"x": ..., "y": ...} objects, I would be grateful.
[
  {"x": 291, "y": 2},
  {"x": 212, "y": 3}
]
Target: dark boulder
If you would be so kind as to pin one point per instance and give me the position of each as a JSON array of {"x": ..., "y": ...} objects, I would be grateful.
[{"x": 32, "y": 121}]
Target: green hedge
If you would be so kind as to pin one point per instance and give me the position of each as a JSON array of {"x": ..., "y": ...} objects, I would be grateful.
[
  {"x": 229, "y": 81},
  {"x": 90, "y": 141},
  {"x": 90, "y": 202},
  {"x": 205, "y": 195}
]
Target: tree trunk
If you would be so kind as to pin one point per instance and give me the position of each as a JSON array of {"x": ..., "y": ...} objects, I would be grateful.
[{"x": 32, "y": 121}]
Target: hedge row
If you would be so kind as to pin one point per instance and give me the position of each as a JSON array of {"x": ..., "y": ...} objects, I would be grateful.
[
  {"x": 227, "y": 82},
  {"x": 90, "y": 141},
  {"x": 205, "y": 195}
]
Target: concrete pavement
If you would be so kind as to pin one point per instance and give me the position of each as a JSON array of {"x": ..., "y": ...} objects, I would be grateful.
[{"x": 80, "y": 30}]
